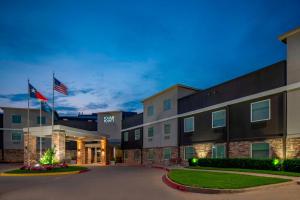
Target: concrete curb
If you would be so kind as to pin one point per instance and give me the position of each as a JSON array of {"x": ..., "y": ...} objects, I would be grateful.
[
  {"x": 46, "y": 174},
  {"x": 185, "y": 188}
]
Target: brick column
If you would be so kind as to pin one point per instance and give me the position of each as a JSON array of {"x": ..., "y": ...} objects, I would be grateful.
[
  {"x": 95, "y": 156},
  {"x": 80, "y": 152},
  {"x": 103, "y": 147},
  {"x": 59, "y": 142},
  {"x": 29, "y": 149},
  {"x": 89, "y": 155}
]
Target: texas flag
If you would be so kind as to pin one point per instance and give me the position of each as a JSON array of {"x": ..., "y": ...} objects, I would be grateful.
[{"x": 36, "y": 94}]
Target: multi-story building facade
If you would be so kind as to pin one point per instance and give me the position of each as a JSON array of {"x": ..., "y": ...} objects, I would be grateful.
[
  {"x": 14, "y": 120},
  {"x": 256, "y": 115}
]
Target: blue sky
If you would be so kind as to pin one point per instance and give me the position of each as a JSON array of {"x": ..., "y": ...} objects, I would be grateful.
[{"x": 112, "y": 54}]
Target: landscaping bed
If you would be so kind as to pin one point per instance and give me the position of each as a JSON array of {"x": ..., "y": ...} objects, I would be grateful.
[
  {"x": 218, "y": 180},
  {"x": 282, "y": 173},
  {"x": 45, "y": 170}
]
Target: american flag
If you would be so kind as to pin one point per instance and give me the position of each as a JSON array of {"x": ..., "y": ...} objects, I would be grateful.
[{"x": 60, "y": 87}]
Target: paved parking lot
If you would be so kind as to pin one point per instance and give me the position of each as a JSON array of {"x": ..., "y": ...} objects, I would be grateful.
[{"x": 132, "y": 183}]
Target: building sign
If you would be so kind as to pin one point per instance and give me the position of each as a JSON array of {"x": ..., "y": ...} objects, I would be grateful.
[{"x": 109, "y": 119}]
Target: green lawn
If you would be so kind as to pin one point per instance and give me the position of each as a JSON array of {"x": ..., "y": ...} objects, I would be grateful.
[
  {"x": 283, "y": 173},
  {"x": 68, "y": 169},
  {"x": 219, "y": 180}
]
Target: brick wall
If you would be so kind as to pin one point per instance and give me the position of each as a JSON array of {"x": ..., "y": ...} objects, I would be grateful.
[
  {"x": 131, "y": 160},
  {"x": 13, "y": 155},
  {"x": 158, "y": 156},
  {"x": 293, "y": 147}
]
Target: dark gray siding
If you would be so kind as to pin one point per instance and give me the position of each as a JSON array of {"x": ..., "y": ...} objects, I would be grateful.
[
  {"x": 85, "y": 124},
  {"x": 132, "y": 143},
  {"x": 270, "y": 77},
  {"x": 240, "y": 126},
  {"x": 132, "y": 121}
]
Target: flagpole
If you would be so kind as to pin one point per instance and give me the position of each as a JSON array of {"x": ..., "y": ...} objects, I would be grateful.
[
  {"x": 28, "y": 124},
  {"x": 40, "y": 129},
  {"x": 52, "y": 102}
]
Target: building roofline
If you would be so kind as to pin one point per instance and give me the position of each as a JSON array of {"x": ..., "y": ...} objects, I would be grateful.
[
  {"x": 171, "y": 88},
  {"x": 284, "y": 36},
  {"x": 19, "y": 108}
]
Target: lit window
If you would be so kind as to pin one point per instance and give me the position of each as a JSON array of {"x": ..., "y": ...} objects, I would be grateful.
[
  {"x": 260, "y": 150},
  {"x": 189, "y": 124},
  {"x": 167, "y": 104},
  {"x": 137, "y": 134},
  {"x": 218, "y": 151},
  {"x": 167, "y": 153},
  {"x": 260, "y": 111},
  {"x": 126, "y": 137},
  {"x": 16, "y": 119},
  {"x": 189, "y": 152},
  {"x": 218, "y": 119},
  {"x": 150, "y": 154},
  {"x": 150, "y": 110}
]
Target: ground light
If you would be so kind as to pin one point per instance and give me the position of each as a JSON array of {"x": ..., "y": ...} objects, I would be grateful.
[
  {"x": 276, "y": 162},
  {"x": 194, "y": 160}
]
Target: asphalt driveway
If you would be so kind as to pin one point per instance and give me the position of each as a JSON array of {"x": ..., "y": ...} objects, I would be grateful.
[{"x": 132, "y": 183}]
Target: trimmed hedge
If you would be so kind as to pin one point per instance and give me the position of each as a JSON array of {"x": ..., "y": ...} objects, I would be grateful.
[{"x": 292, "y": 165}]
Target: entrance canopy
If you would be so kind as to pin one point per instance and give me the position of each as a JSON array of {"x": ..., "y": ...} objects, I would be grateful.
[{"x": 70, "y": 133}]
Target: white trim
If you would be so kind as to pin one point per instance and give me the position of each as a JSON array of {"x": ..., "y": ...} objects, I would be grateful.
[
  {"x": 127, "y": 136},
  {"x": 294, "y": 86},
  {"x": 212, "y": 119},
  {"x": 215, "y": 146},
  {"x": 168, "y": 124},
  {"x": 193, "y": 129},
  {"x": 251, "y": 105},
  {"x": 135, "y": 133}
]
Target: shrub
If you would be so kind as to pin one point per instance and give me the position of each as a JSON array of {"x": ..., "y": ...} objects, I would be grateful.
[
  {"x": 49, "y": 157},
  {"x": 247, "y": 163},
  {"x": 291, "y": 165}
]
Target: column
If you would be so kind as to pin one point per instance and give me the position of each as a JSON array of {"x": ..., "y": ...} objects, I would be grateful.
[
  {"x": 103, "y": 147},
  {"x": 80, "y": 152},
  {"x": 95, "y": 156},
  {"x": 89, "y": 155},
  {"x": 59, "y": 142},
  {"x": 29, "y": 149}
]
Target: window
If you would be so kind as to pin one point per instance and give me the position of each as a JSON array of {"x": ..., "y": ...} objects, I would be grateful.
[
  {"x": 137, "y": 134},
  {"x": 260, "y": 110},
  {"x": 189, "y": 152},
  {"x": 16, "y": 119},
  {"x": 43, "y": 120},
  {"x": 150, "y": 132},
  {"x": 150, "y": 110},
  {"x": 260, "y": 150},
  {"x": 189, "y": 124},
  {"x": 125, "y": 155},
  {"x": 16, "y": 137},
  {"x": 137, "y": 155},
  {"x": 150, "y": 154},
  {"x": 218, "y": 151},
  {"x": 167, "y": 104},
  {"x": 167, "y": 153},
  {"x": 167, "y": 131},
  {"x": 126, "y": 137},
  {"x": 218, "y": 119}
]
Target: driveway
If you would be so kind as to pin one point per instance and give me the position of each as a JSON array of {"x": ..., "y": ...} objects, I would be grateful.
[{"x": 119, "y": 183}]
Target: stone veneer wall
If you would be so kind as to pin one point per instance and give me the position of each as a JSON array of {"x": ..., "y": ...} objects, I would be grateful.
[
  {"x": 158, "y": 156},
  {"x": 13, "y": 155},
  {"x": 130, "y": 160},
  {"x": 293, "y": 148}
]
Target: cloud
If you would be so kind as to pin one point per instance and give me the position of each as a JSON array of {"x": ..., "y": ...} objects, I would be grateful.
[
  {"x": 15, "y": 97},
  {"x": 132, "y": 105},
  {"x": 97, "y": 106}
]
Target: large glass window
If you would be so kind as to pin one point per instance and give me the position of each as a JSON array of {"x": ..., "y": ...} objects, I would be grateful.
[
  {"x": 219, "y": 119},
  {"x": 218, "y": 151},
  {"x": 126, "y": 137},
  {"x": 150, "y": 154},
  {"x": 167, "y": 104},
  {"x": 189, "y": 152},
  {"x": 16, "y": 119},
  {"x": 43, "y": 120},
  {"x": 137, "y": 134},
  {"x": 188, "y": 124},
  {"x": 260, "y": 110},
  {"x": 167, "y": 153},
  {"x": 260, "y": 150},
  {"x": 150, "y": 110}
]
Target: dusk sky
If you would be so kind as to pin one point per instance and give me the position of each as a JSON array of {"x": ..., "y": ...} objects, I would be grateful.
[{"x": 112, "y": 54}]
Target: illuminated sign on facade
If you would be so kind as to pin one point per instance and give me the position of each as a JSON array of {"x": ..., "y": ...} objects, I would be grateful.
[{"x": 109, "y": 119}]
